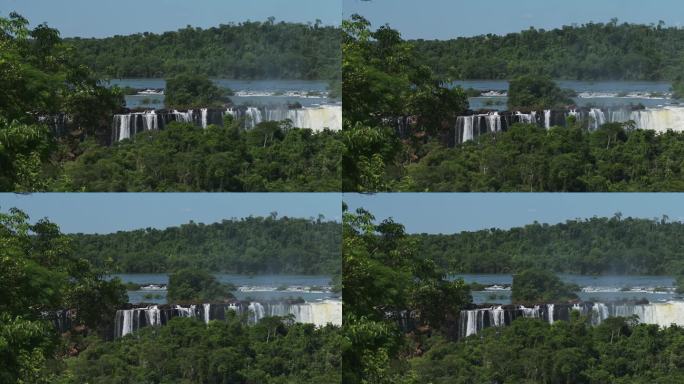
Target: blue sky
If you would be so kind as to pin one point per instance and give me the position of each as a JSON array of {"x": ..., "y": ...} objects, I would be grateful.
[
  {"x": 110, "y": 212},
  {"x": 444, "y": 19},
  {"x": 456, "y": 212},
  {"x": 99, "y": 18}
]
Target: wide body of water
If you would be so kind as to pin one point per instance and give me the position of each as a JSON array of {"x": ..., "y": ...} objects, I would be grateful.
[
  {"x": 600, "y": 94},
  {"x": 257, "y": 288},
  {"x": 655, "y": 289},
  {"x": 308, "y": 93}
]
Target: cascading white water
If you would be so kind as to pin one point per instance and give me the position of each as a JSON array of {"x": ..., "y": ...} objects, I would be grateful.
[
  {"x": 493, "y": 122},
  {"x": 662, "y": 314},
  {"x": 253, "y": 117},
  {"x": 596, "y": 118},
  {"x": 326, "y": 312},
  {"x": 207, "y": 312},
  {"x": 256, "y": 311},
  {"x": 203, "y": 114},
  {"x": 184, "y": 117},
  {"x": 186, "y": 311},
  {"x": 472, "y": 323},
  {"x": 127, "y": 323},
  {"x": 498, "y": 316},
  {"x": 153, "y": 315},
  {"x": 530, "y": 312},
  {"x": 123, "y": 124},
  {"x": 526, "y": 118},
  {"x": 547, "y": 118},
  {"x": 468, "y": 128},
  {"x": 319, "y": 313}
]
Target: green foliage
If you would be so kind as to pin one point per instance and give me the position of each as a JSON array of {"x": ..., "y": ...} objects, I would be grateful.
[
  {"x": 383, "y": 277},
  {"x": 23, "y": 149},
  {"x": 25, "y": 345},
  {"x": 43, "y": 79},
  {"x": 39, "y": 82},
  {"x": 529, "y": 158},
  {"x": 538, "y": 286},
  {"x": 192, "y": 285},
  {"x": 40, "y": 79},
  {"x": 530, "y": 92},
  {"x": 597, "y": 245},
  {"x": 533, "y": 351},
  {"x": 189, "y": 90},
  {"x": 383, "y": 79},
  {"x": 678, "y": 88},
  {"x": 384, "y": 75},
  {"x": 593, "y": 51},
  {"x": 248, "y": 50},
  {"x": 40, "y": 273},
  {"x": 251, "y": 245},
  {"x": 270, "y": 157},
  {"x": 188, "y": 351},
  {"x": 680, "y": 284}
]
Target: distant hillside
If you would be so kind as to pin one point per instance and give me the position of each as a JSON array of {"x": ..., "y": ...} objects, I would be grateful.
[
  {"x": 249, "y": 50},
  {"x": 250, "y": 245},
  {"x": 592, "y": 246},
  {"x": 609, "y": 51}
]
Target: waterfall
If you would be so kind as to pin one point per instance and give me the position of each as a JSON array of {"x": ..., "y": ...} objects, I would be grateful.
[
  {"x": 153, "y": 315},
  {"x": 186, "y": 312},
  {"x": 204, "y": 112},
  {"x": 122, "y": 126},
  {"x": 185, "y": 117},
  {"x": 317, "y": 118},
  {"x": 526, "y": 118},
  {"x": 318, "y": 313},
  {"x": 127, "y": 323},
  {"x": 467, "y": 128},
  {"x": 257, "y": 311},
  {"x": 547, "y": 118},
  {"x": 596, "y": 118},
  {"x": 253, "y": 117},
  {"x": 473, "y": 321},
  {"x": 493, "y": 122},
  {"x": 314, "y": 118},
  {"x": 207, "y": 312},
  {"x": 498, "y": 316}
]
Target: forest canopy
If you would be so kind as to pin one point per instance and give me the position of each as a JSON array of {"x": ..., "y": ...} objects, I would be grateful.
[
  {"x": 598, "y": 245},
  {"x": 249, "y": 246},
  {"x": 248, "y": 50},
  {"x": 592, "y": 51},
  {"x": 183, "y": 157}
]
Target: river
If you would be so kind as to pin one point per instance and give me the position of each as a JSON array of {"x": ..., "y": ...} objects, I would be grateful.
[
  {"x": 600, "y": 94},
  {"x": 606, "y": 288},
  {"x": 258, "y": 287},
  {"x": 246, "y": 92}
]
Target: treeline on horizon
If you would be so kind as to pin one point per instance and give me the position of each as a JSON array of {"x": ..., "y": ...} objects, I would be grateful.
[
  {"x": 385, "y": 77},
  {"x": 247, "y": 50},
  {"x": 387, "y": 271},
  {"x": 598, "y": 245},
  {"x": 250, "y": 245},
  {"x": 592, "y": 51}
]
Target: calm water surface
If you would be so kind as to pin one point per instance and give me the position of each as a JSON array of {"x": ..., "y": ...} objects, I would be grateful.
[
  {"x": 247, "y": 92},
  {"x": 601, "y": 94},
  {"x": 594, "y": 288},
  {"x": 259, "y": 287}
]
